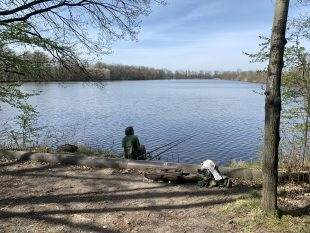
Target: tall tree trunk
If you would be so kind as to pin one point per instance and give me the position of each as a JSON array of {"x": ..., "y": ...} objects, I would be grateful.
[
  {"x": 305, "y": 146},
  {"x": 273, "y": 107},
  {"x": 306, "y": 100}
]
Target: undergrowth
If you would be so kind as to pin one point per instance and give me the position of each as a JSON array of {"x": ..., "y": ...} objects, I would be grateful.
[
  {"x": 82, "y": 150},
  {"x": 248, "y": 216},
  {"x": 288, "y": 164}
]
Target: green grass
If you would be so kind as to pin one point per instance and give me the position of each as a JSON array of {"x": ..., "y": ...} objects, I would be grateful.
[
  {"x": 286, "y": 164},
  {"x": 249, "y": 217},
  {"x": 82, "y": 150},
  {"x": 85, "y": 150},
  {"x": 243, "y": 164}
]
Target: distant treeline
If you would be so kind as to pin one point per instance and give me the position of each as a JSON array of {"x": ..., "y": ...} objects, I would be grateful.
[
  {"x": 246, "y": 76},
  {"x": 41, "y": 68},
  {"x": 126, "y": 72}
]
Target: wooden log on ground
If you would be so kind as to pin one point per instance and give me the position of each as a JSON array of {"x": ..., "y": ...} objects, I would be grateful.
[
  {"x": 72, "y": 159},
  {"x": 167, "y": 175},
  {"x": 97, "y": 162}
]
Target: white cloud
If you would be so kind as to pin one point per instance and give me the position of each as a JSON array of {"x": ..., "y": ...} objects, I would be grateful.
[{"x": 208, "y": 35}]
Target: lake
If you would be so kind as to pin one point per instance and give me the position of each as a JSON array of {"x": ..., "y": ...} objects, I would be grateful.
[{"x": 218, "y": 120}]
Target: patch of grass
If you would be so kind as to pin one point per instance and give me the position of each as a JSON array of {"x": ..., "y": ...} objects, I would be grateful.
[
  {"x": 255, "y": 194},
  {"x": 249, "y": 217},
  {"x": 85, "y": 150},
  {"x": 294, "y": 163},
  {"x": 243, "y": 164},
  {"x": 82, "y": 150},
  {"x": 282, "y": 192},
  {"x": 37, "y": 149},
  {"x": 287, "y": 164},
  {"x": 42, "y": 149}
]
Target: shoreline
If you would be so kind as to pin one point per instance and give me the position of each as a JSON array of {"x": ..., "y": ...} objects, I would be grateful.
[
  {"x": 120, "y": 80},
  {"x": 243, "y": 173}
]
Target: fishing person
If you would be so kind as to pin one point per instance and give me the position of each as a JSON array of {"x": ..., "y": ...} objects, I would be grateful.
[{"x": 131, "y": 144}]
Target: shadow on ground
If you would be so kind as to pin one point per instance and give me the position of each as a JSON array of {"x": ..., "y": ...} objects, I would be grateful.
[{"x": 102, "y": 201}]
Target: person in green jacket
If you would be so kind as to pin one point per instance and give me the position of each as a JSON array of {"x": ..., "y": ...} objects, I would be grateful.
[{"x": 132, "y": 147}]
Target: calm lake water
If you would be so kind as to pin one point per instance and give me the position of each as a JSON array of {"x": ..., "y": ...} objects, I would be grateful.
[{"x": 222, "y": 119}]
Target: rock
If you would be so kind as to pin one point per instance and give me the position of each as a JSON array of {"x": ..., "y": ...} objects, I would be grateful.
[
  {"x": 67, "y": 148},
  {"x": 107, "y": 171},
  {"x": 231, "y": 221}
]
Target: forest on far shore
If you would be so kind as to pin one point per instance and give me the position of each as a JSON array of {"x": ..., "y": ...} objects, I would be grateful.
[{"x": 41, "y": 68}]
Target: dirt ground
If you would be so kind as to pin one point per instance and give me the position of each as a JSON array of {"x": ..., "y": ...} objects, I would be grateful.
[{"x": 36, "y": 197}]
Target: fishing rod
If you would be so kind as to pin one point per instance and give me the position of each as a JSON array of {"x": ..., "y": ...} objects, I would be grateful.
[
  {"x": 169, "y": 148},
  {"x": 168, "y": 144}
]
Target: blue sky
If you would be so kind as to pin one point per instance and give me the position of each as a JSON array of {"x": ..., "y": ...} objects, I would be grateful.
[{"x": 200, "y": 35}]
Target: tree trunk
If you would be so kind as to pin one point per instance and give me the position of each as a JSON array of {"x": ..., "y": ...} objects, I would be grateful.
[
  {"x": 273, "y": 107},
  {"x": 305, "y": 146}
]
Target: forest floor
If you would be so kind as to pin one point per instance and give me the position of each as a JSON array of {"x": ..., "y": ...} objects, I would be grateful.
[{"x": 36, "y": 197}]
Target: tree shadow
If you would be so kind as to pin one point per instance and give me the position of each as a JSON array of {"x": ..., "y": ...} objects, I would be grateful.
[
  {"x": 153, "y": 208},
  {"x": 94, "y": 197},
  {"x": 58, "y": 221},
  {"x": 100, "y": 196},
  {"x": 28, "y": 173},
  {"x": 297, "y": 212},
  {"x": 115, "y": 197},
  {"x": 9, "y": 163},
  {"x": 33, "y": 169},
  {"x": 45, "y": 215}
]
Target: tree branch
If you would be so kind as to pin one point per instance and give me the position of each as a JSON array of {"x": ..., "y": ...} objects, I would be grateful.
[
  {"x": 39, "y": 11},
  {"x": 23, "y": 7}
]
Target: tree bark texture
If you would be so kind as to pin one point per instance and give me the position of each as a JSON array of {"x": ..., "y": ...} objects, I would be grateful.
[
  {"x": 305, "y": 143},
  {"x": 273, "y": 107}
]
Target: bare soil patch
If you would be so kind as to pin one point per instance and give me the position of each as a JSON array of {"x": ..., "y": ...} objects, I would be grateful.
[{"x": 36, "y": 197}]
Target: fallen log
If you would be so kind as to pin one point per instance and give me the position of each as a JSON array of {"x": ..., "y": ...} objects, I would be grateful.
[
  {"x": 96, "y": 162},
  {"x": 171, "y": 175},
  {"x": 117, "y": 163}
]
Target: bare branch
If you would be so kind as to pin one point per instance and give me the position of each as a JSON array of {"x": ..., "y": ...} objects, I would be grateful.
[{"x": 23, "y": 7}]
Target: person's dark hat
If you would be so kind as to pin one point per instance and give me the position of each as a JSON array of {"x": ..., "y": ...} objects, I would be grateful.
[{"x": 129, "y": 131}]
